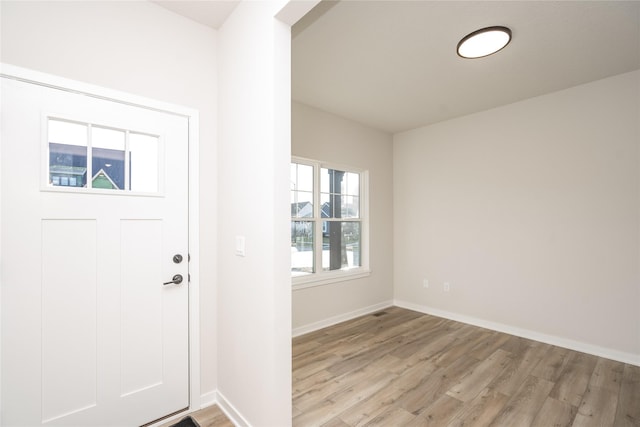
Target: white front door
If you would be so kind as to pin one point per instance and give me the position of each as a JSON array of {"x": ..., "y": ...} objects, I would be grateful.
[{"x": 94, "y": 208}]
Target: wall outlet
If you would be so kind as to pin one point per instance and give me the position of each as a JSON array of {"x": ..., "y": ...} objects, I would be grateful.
[
  {"x": 425, "y": 283},
  {"x": 446, "y": 287}
]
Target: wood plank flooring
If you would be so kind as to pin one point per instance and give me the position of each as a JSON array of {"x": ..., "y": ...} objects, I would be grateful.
[
  {"x": 404, "y": 368},
  {"x": 211, "y": 416}
]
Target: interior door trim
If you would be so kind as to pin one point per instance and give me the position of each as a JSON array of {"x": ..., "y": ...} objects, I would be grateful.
[{"x": 35, "y": 77}]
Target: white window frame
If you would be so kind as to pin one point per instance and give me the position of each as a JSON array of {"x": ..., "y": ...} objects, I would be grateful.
[
  {"x": 321, "y": 277},
  {"x": 88, "y": 189}
]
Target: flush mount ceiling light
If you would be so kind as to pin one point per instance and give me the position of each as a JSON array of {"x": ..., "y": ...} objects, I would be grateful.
[{"x": 484, "y": 42}]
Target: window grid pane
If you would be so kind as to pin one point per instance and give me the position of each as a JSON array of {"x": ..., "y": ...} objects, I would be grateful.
[
  {"x": 340, "y": 194},
  {"x": 301, "y": 180},
  {"x": 302, "y": 247},
  {"x": 107, "y": 158},
  {"x": 68, "y": 144},
  {"x": 341, "y": 245},
  {"x": 301, "y": 204},
  {"x": 143, "y": 162}
]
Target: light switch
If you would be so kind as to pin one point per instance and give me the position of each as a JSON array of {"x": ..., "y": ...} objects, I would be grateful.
[{"x": 240, "y": 245}]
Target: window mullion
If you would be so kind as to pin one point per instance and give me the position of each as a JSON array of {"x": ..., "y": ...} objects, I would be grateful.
[
  {"x": 89, "y": 155},
  {"x": 317, "y": 214},
  {"x": 127, "y": 162}
]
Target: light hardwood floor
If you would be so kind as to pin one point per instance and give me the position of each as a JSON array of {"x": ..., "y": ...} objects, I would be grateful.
[
  {"x": 211, "y": 416},
  {"x": 404, "y": 368}
]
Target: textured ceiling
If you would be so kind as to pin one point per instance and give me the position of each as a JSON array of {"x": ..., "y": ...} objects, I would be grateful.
[{"x": 392, "y": 64}]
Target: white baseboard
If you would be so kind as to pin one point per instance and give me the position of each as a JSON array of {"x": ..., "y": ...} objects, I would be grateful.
[
  {"x": 230, "y": 411},
  {"x": 305, "y": 329},
  {"x": 607, "y": 353},
  {"x": 208, "y": 399}
]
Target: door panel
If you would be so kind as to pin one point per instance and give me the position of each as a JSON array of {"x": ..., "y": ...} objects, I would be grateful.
[
  {"x": 141, "y": 263},
  {"x": 90, "y": 335},
  {"x": 69, "y": 354}
]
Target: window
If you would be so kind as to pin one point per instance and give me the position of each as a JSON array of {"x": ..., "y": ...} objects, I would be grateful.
[
  {"x": 88, "y": 156},
  {"x": 328, "y": 223}
]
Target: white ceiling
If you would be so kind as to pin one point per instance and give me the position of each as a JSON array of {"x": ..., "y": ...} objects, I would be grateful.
[
  {"x": 211, "y": 13},
  {"x": 392, "y": 65}
]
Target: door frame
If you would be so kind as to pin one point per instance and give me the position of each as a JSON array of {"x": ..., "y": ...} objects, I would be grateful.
[{"x": 192, "y": 115}]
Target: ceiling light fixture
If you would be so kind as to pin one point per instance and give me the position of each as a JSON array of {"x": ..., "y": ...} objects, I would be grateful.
[{"x": 484, "y": 42}]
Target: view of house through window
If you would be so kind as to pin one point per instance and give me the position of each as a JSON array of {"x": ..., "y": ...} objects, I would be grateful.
[
  {"x": 302, "y": 219},
  {"x": 83, "y": 155},
  {"x": 326, "y": 219}
]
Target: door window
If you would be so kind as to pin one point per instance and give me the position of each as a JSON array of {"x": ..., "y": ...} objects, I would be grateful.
[{"x": 88, "y": 157}]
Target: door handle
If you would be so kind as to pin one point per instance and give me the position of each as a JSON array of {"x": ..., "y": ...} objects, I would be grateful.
[{"x": 177, "y": 279}]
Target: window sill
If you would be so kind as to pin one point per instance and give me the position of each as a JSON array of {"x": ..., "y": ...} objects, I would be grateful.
[{"x": 313, "y": 280}]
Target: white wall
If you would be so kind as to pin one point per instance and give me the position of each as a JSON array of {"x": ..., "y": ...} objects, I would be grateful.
[
  {"x": 531, "y": 212},
  {"x": 143, "y": 49},
  {"x": 322, "y": 136},
  {"x": 254, "y": 306}
]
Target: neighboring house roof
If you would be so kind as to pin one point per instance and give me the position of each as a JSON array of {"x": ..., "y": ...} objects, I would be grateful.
[
  {"x": 301, "y": 209},
  {"x": 325, "y": 210},
  {"x": 68, "y": 170},
  {"x": 102, "y": 180}
]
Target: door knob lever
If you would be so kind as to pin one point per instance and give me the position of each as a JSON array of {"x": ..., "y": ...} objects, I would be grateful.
[{"x": 177, "y": 279}]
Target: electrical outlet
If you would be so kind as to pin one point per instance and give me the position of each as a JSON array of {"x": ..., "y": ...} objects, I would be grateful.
[
  {"x": 425, "y": 284},
  {"x": 446, "y": 287}
]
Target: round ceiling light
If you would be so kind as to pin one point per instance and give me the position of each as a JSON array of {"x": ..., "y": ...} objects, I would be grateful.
[{"x": 484, "y": 42}]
